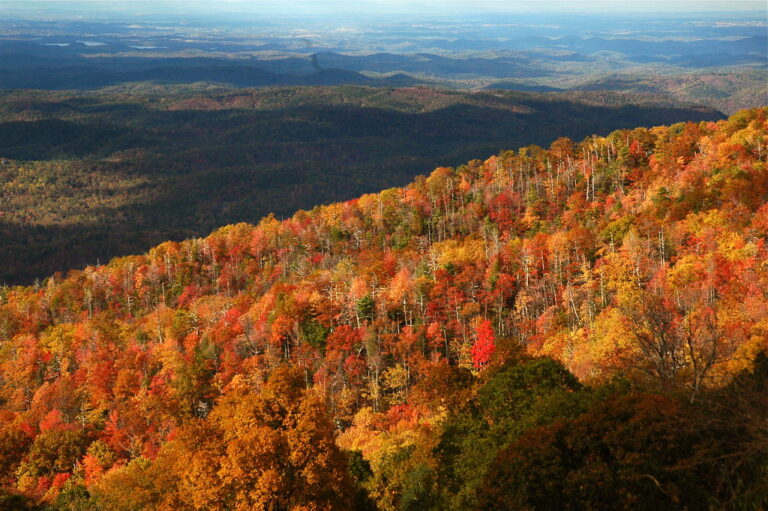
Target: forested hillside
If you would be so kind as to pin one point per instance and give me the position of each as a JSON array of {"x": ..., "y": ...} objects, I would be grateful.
[
  {"x": 88, "y": 176},
  {"x": 578, "y": 327}
]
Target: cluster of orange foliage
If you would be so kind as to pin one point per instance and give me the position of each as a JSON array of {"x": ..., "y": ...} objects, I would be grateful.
[{"x": 642, "y": 253}]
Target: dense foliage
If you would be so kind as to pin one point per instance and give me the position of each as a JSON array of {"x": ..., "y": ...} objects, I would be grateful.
[
  {"x": 88, "y": 176},
  {"x": 579, "y": 327}
]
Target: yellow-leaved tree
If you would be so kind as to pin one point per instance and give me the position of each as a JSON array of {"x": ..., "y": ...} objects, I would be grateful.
[{"x": 272, "y": 449}]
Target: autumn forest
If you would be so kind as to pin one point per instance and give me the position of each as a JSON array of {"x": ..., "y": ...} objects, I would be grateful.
[
  {"x": 368, "y": 255},
  {"x": 582, "y": 326}
]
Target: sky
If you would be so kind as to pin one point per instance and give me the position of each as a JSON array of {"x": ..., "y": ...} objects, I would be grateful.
[{"x": 388, "y": 6}]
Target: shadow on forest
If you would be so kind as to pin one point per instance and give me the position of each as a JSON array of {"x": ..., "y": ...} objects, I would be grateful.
[{"x": 211, "y": 168}]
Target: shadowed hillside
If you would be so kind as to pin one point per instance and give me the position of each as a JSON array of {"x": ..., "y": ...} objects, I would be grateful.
[{"x": 86, "y": 177}]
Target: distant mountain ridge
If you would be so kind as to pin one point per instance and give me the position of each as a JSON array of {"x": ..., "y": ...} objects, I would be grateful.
[{"x": 85, "y": 77}]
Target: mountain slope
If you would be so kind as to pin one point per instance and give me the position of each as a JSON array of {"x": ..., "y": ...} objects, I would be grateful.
[
  {"x": 86, "y": 177},
  {"x": 402, "y": 324}
]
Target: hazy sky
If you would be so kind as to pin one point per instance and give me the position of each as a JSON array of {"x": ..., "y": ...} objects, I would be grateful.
[
  {"x": 380, "y": 6},
  {"x": 512, "y": 5}
]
